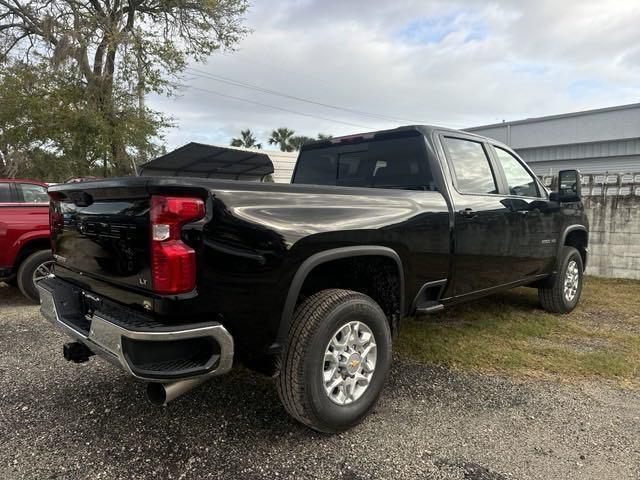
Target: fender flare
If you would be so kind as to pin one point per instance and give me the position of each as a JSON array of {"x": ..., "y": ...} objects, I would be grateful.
[
  {"x": 570, "y": 229},
  {"x": 567, "y": 231},
  {"x": 21, "y": 242},
  {"x": 27, "y": 237},
  {"x": 326, "y": 256},
  {"x": 563, "y": 238}
]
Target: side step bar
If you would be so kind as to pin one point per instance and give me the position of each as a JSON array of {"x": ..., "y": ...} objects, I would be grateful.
[{"x": 429, "y": 307}]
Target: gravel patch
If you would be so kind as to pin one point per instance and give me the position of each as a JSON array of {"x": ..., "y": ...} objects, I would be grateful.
[
  {"x": 579, "y": 345},
  {"x": 60, "y": 420}
]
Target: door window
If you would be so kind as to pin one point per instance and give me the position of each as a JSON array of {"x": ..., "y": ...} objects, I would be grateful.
[
  {"x": 520, "y": 181},
  {"x": 31, "y": 193},
  {"x": 5, "y": 192},
  {"x": 470, "y": 166}
]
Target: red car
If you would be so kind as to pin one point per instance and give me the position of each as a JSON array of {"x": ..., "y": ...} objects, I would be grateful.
[{"x": 25, "y": 248}]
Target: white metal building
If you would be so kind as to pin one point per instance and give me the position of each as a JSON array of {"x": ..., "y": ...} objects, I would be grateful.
[
  {"x": 283, "y": 162},
  {"x": 593, "y": 141}
]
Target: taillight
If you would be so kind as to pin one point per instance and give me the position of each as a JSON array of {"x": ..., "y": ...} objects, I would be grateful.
[
  {"x": 173, "y": 263},
  {"x": 56, "y": 223}
]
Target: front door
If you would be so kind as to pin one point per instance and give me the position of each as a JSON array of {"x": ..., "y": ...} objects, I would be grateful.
[{"x": 531, "y": 215}]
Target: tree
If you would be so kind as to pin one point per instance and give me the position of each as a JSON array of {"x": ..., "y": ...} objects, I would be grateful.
[
  {"x": 247, "y": 140},
  {"x": 49, "y": 131},
  {"x": 298, "y": 141},
  {"x": 117, "y": 51},
  {"x": 324, "y": 136},
  {"x": 282, "y": 136}
]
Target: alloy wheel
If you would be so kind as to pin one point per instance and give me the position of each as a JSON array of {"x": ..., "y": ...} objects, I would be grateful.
[{"x": 349, "y": 363}]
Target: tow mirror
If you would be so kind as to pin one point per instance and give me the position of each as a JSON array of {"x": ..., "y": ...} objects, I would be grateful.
[{"x": 569, "y": 187}]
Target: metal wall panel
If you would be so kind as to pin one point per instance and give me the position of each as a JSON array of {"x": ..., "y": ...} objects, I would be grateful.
[
  {"x": 588, "y": 166},
  {"x": 581, "y": 150},
  {"x": 607, "y": 124}
]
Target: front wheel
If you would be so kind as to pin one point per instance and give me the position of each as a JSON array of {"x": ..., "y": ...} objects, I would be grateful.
[
  {"x": 563, "y": 296},
  {"x": 336, "y": 360},
  {"x": 33, "y": 269}
]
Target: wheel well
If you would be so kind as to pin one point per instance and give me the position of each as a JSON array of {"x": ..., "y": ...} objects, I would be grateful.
[
  {"x": 375, "y": 276},
  {"x": 30, "y": 247},
  {"x": 578, "y": 240}
]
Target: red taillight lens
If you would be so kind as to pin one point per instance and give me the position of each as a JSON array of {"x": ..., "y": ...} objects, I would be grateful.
[
  {"x": 56, "y": 221},
  {"x": 173, "y": 263}
]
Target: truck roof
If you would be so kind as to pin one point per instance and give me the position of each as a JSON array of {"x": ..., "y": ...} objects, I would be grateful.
[
  {"x": 22, "y": 180},
  {"x": 426, "y": 130}
]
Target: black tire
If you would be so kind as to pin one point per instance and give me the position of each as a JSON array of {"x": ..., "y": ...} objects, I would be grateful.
[
  {"x": 554, "y": 299},
  {"x": 300, "y": 380},
  {"x": 26, "y": 271}
]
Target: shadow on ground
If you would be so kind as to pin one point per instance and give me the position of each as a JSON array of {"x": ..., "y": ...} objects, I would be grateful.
[{"x": 61, "y": 420}]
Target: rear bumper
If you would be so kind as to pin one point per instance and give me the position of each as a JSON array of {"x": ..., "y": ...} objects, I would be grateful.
[{"x": 146, "y": 349}]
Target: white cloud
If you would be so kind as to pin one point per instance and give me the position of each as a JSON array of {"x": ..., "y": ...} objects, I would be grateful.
[{"x": 452, "y": 63}]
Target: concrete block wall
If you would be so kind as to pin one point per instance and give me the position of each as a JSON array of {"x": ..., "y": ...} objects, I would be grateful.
[{"x": 612, "y": 203}]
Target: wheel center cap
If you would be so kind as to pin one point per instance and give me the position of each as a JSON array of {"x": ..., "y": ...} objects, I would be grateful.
[{"x": 353, "y": 363}]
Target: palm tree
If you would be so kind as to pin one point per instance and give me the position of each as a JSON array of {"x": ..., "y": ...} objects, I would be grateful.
[
  {"x": 247, "y": 140},
  {"x": 298, "y": 141},
  {"x": 282, "y": 137}
]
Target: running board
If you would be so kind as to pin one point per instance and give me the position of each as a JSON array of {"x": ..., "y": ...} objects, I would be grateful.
[{"x": 429, "y": 307}]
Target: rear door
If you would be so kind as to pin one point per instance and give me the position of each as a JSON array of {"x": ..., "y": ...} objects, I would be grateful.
[{"x": 483, "y": 234}]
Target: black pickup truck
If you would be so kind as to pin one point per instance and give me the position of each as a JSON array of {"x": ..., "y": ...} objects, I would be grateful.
[{"x": 175, "y": 279}]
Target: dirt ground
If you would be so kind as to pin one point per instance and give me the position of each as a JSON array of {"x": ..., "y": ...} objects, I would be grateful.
[{"x": 60, "y": 420}]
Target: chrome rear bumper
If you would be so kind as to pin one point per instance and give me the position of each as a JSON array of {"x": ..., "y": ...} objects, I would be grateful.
[{"x": 123, "y": 346}]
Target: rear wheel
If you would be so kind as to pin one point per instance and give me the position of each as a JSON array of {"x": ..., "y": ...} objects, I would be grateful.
[
  {"x": 336, "y": 360},
  {"x": 564, "y": 295},
  {"x": 33, "y": 269}
]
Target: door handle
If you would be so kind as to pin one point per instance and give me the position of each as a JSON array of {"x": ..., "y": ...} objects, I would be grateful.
[
  {"x": 530, "y": 213},
  {"x": 468, "y": 213}
]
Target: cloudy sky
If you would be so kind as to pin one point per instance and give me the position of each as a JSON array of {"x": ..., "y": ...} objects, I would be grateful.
[{"x": 388, "y": 63}]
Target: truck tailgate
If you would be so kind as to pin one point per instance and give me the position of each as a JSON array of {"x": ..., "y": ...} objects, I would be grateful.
[{"x": 103, "y": 230}]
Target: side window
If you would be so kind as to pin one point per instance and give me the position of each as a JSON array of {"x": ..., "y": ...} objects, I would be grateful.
[
  {"x": 5, "y": 192},
  {"x": 31, "y": 193},
  {"x": 470, "y": 166},
  {"x": 520, "y": 181}
]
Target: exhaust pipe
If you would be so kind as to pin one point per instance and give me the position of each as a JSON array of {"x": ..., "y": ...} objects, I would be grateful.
[{"x": 160, "y": 394}]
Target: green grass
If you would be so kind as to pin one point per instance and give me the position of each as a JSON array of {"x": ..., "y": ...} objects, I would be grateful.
[{"x": 510, "y": 333}]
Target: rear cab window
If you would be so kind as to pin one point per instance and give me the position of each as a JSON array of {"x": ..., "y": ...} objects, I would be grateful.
[{"x": 398, "y": 161}]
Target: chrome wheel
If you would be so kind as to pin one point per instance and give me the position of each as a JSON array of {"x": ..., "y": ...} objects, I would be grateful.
[
  {"x": 42, "y": 271},
  {"x": 349, "y": 363},
  {"x": 571, "y": 281}
]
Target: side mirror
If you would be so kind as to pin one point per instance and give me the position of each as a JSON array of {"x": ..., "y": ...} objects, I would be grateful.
[{"x": 569, "y": 187}]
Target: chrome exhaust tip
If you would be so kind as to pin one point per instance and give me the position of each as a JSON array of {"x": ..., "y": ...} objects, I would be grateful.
[{"x": 160, "y": 394}]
